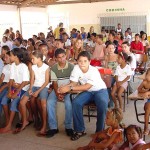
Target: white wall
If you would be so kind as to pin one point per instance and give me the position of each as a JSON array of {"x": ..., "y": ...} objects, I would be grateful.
[
  {"x": 8, "y": 18},
  {"x": 89, "y": 13},
  {"x": 34, "y": 20}
]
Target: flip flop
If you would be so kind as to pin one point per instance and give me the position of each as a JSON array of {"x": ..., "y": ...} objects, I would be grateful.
[
  {"x": 18, "y": 130},
  {"x": 9, "y": 131},
  {"x": 41, "y": 134}
]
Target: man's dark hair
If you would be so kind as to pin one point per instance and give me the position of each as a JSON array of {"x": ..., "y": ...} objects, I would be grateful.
[
  {"x": 137, "y": 35},
  {"x": 126, "y": 42},
  {"x": 19, "y": 40},
  {"x": 93, "y": 34},
  {"x": 84, "y": 54},
  {"x": 112, "y": 33},
  {"x": 59, "y": 51},
  {"x": 43, "y": 45},
  {"x": 6, "y": 48}
]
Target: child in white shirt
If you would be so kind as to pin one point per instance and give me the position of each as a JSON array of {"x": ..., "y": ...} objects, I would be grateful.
[
  {"x": 122, "y": 76},
  {"x": 39, "y": 84},
  {"x": 18, "y": 84}
]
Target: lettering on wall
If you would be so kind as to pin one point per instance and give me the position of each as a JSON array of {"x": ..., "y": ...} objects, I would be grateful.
[{"x": 115, "y": 9}]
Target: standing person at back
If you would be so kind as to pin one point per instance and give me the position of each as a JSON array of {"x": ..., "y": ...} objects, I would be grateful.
[
  {"x": 56, "y": 31},
  {"x": 119, "y": 29}
]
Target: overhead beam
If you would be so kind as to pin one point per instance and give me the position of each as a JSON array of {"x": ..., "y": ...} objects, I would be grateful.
[{"x": 44, "y": 3}]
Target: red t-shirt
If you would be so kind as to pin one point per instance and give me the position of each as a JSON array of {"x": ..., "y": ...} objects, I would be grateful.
[{"x": 137, "y": 46}]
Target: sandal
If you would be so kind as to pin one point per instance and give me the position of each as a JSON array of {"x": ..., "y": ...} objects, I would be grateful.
[{"x": 77, "y": 135}]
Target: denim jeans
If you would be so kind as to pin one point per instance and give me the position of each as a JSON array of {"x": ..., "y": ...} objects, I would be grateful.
[
  {"x": 51, "y": 109},
  {"x": 14, "y": 102},
  {"x": 111, "y": 103},
  {"x": 101, "y": 100},
  {"x": 2, "y": 94}
]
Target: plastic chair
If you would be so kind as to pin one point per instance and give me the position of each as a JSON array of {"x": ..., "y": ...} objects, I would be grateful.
[
  {"x": 106, "y": 75},
  {"x": 141, "y": 60}
]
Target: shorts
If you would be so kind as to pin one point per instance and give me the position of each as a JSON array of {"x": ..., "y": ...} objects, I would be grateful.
[
  {"x": 42, "y": 95},
  {"x": 14, "y": 102},
  {"x": 2, "y": 94},
  {"x": 124, "y": 85}
]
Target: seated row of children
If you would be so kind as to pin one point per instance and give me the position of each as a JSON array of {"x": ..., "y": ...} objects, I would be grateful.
[{"x": 19, "y": 71}]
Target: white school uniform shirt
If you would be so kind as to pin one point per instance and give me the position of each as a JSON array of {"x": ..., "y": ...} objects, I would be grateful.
[
  {"x": 123, "y": 73},
  {"x": 92, "y": 76},
  {"x": 133, "y": 63},
  {"x": 1, "y": 66},
  {"x": 6, "y": 72},
  {"x": 68, "y": 43},
  {"x": 20, "y": 73},
  {"x": 39, "y": 73}
]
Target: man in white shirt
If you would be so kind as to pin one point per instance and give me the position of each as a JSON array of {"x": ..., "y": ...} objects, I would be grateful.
[
  {"x": 86, "y": 79},
  {"x": 126, "y": 49},
  {"x": 119, "y": 29},
  {"x": 66, "y": 40}
]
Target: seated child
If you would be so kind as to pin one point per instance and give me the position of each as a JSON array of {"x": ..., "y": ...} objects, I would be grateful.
[
  {"x": 144, "y": 91},
  {"x": 133, "y": 135},
  {"x": 110, "y": 137},
  {"x": 122, "y": 76}
]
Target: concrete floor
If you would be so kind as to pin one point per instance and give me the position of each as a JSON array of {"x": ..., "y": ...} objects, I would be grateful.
[{"x": 27, "y": 139}]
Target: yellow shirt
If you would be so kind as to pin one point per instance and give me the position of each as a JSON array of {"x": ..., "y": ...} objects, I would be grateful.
[{"x": 56, "y": 33}]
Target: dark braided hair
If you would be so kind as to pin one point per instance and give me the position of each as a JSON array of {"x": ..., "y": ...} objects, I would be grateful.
[{"x": 137, "y": 129}]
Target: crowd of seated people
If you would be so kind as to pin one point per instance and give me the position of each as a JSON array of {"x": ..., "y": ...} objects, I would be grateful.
[{"x": 38, "y": 72}]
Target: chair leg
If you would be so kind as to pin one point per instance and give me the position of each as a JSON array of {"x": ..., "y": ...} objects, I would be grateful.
[
  {"x": 89, "y": 113},
  {"x": 127, "y": 95},
  {"x": 124, "y": 101}
]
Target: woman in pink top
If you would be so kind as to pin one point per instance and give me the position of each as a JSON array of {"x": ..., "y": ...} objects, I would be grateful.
[{"x": 98, "y": 53}]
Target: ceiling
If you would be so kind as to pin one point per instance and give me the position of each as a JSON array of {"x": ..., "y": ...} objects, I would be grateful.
[{"x": 44, "y": 3}]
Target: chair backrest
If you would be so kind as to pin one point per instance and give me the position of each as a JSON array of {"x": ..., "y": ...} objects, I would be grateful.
[
  {"x": 140, "y": 58},
  {"x": 106, "y": 76}
]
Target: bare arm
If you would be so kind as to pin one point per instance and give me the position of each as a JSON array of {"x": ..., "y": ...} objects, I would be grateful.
[
  {"x": 46, "y": 80},
  {"x": 106, "y": 143},
  {"x": 74, "y": 87},
  {"x": 2, "y": 78}
]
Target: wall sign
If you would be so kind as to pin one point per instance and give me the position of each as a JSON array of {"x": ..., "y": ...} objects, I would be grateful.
[{"x": 115, "y": 10}]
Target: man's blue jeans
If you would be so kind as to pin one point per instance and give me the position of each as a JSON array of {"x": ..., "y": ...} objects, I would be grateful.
[
  {"x": 101, "y": 100},
  {"x": 51, "y": 109}
]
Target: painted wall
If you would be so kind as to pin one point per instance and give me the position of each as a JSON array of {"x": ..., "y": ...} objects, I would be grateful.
[
  {"x": 87, "y": 14},
  {"x": 33, "y": 20},
  {"x": 8, "y": 18}
]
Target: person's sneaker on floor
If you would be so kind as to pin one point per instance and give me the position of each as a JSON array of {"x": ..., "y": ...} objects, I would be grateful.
[
  {"x": 51, "y": 132},
  {"x": 69, "y": 132}
]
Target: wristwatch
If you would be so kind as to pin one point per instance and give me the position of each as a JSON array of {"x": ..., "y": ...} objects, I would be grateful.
[{"x": 71, "y": 88}]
